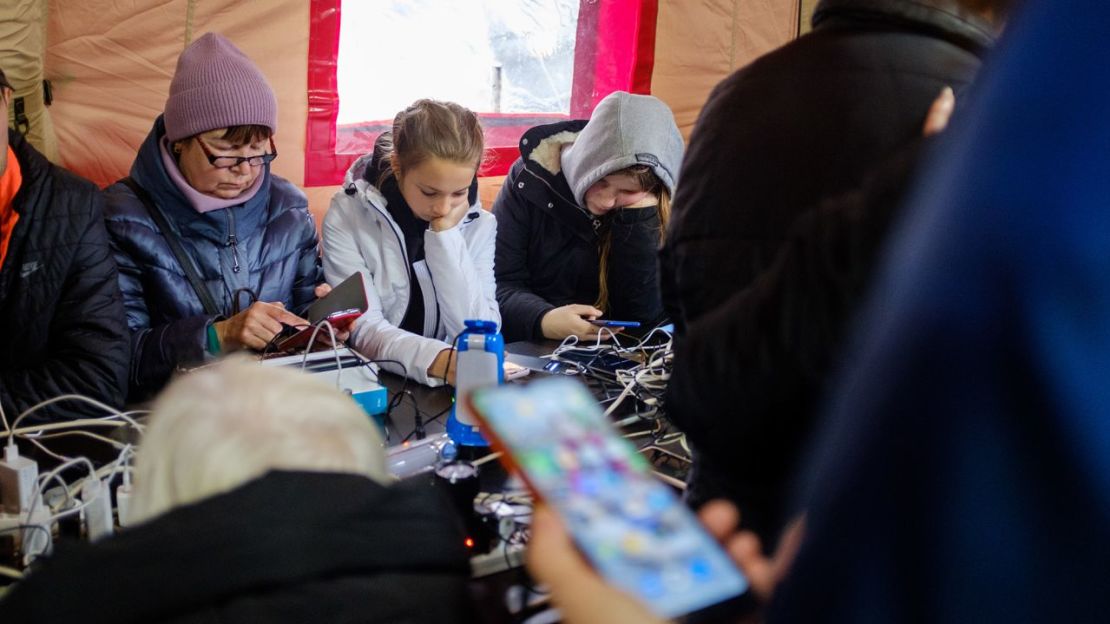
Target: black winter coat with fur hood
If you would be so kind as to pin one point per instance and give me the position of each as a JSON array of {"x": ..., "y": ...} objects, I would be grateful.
[{"x": 547, "y": 245}]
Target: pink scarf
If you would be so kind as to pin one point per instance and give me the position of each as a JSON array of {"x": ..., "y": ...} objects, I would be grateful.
[{"x": 202, "y": 203}]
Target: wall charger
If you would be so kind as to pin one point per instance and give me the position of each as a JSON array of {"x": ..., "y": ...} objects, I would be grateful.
[
  {"x": 98, "y": 509},
  {"x": 123, "y": 504},
  {"x": 18, "y": 477}
]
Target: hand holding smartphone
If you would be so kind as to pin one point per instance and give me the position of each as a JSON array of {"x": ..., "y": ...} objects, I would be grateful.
[
  {"x": 340, "y": 307},
  {"x": 630, "y": 526}
]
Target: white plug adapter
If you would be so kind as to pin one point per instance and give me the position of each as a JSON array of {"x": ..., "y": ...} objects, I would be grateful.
[
  {"x": 123, "y": 504},
  {"x": 98, "y": 511},
  {"x": 38, "y": 536},
  {"x": 18, "y": 476}
]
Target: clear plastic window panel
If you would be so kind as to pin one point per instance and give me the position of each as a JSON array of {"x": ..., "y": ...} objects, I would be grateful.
[{"x": 492, "y": 56}]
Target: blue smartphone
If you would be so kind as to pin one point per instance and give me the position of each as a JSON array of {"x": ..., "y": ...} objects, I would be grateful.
[
  {"x": 609, "y": 323},
  {"x": 630, "y": 526}
]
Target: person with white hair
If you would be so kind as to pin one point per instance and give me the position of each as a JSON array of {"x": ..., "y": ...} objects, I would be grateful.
[
  {"x": 580, "y": 218},
  {"x": 223, "y": 427},
  {"x": 260, "y": 494}
]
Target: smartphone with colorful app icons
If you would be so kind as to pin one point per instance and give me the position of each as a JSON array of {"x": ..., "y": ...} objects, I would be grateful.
[{"x": 629, "y": 525}]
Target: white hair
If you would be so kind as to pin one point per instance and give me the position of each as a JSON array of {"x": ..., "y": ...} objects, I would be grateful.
[{"x": 217, "y": 428}]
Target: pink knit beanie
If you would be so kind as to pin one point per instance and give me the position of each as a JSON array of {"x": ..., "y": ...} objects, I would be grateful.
[{"x": 217, "y": 86}]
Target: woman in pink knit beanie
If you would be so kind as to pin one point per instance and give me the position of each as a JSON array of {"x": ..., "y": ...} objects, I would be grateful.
[{"x": 201, "y": 183}]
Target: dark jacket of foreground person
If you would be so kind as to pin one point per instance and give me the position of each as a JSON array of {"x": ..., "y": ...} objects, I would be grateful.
[
  {"x": 964, "y": 475},
  {"x": 288, "y": 547},
  {"x": 824, "y": 128},
  {"x": 802, "y": 124},
  {"x": 753, "y": 371},
  {"x": 548, "y": 245},
  {"x": 60, "y": 301}
]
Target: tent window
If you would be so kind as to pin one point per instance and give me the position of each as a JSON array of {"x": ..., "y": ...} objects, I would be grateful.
[{"x": 517, "y": 64}]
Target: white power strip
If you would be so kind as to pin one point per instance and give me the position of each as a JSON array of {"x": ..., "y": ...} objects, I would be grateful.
[{"x": 351, "y": 375}]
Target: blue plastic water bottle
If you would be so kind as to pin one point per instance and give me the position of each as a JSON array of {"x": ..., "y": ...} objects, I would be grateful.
[{"x": 481, "y": 360}]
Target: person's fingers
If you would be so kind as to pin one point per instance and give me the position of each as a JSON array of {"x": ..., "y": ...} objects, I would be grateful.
[
  {"x": 936, "y": 120},
  {"x": 292, "y": 319},
  {"x": 277, "y": 312},
  {"x": 551, "y": 555},
  {"x": 581, "y": 595},
  {"x": 587, "y": 331},
  {"x": 789, "y": 545},
  {"x": 253, "y": 328},
  {"x": 581, "y": 309},
  {"x": 321, "y": 290},
  {"x": 263, "y": 324},
  {"x": 720, "y": 518},
  {"x": 746, "y": 550},
  {"x": 269, "y": 318}
]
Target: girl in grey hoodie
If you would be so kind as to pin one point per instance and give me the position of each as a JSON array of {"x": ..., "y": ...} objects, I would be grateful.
[{"x": 580, "y": 218}]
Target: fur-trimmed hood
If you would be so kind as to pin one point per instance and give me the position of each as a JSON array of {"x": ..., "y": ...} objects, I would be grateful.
[{"x": 547, "y": 153}]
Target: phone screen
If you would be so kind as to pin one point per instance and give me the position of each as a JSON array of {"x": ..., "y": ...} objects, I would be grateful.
[{"x": 633, "y": 528}]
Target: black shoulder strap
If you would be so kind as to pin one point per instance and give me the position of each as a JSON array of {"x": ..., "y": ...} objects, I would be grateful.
[{"x": 170, "y": 235}]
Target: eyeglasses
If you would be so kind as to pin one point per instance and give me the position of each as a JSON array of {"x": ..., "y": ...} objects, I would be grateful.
[{"x": 227, "y": 162}]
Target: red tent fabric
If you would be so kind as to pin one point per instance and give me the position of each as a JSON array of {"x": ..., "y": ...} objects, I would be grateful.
[{"x": 615, "y": 51}]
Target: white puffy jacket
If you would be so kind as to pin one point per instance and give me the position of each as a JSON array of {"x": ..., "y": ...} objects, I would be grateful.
[{"x": 456, "y": 278}]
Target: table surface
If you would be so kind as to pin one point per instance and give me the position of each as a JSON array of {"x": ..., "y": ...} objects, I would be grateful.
[{"x": 434, "y": 403}]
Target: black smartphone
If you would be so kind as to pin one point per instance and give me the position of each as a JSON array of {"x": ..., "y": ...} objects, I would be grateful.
[
  {"x": 342, "y": 305},
  {"x": 629, "y": 525}
]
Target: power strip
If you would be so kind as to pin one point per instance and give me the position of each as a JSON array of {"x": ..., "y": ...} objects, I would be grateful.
[{"x": 352, "y": 376}]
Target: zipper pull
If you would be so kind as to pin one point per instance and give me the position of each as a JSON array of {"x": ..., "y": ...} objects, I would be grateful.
[
  {"x": 234, "y": 244},
  {"x": 597, "y": 224}
]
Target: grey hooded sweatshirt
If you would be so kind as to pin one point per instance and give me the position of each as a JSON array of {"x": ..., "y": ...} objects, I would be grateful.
[
  {"x": 624, "y": 130},
  {"x": 548, "y": 243}
]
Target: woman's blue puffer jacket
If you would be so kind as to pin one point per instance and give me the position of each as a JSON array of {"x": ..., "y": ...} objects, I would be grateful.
[{"x": 264, "y": 248}]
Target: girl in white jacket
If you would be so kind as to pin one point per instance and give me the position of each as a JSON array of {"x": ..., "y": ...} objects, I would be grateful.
[{"x": 408, "y": 218}]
